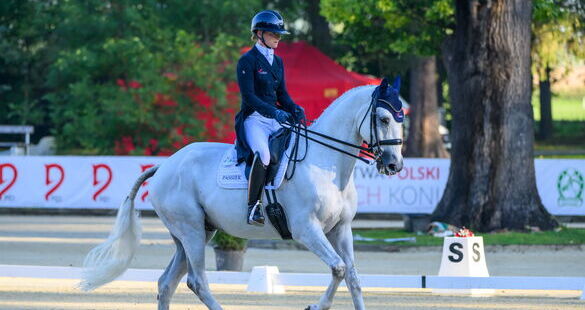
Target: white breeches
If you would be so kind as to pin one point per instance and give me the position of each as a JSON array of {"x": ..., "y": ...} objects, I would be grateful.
[{"x": 258, "y": 130}]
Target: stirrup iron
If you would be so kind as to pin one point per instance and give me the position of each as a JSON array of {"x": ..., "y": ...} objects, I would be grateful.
[{"x": 255, "y": 216}]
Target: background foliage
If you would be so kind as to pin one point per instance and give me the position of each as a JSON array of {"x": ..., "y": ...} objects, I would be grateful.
[
  {"x": 135, "y": 76},
  {"x": 130, "y": 76},
  {"x": 383, "y": 34}
]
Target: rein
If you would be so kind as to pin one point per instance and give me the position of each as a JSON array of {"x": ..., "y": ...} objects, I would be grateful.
[{"x": 372, "y": 151}]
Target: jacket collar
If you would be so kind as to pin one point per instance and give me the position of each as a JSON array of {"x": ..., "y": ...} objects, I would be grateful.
[
  {"x": 267, "y": 52},
  {"x": 264, "y": 63}
]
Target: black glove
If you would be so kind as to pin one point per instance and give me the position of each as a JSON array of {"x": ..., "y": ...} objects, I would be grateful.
[
  {"x": 281, "y": 116},
  {"x": 299, "y": 113}
]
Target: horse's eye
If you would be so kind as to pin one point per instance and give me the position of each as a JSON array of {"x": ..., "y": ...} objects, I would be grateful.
[{"x": 385, "y": 120}]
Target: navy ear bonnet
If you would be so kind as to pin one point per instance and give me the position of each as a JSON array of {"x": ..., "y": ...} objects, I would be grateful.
[{"x": 387, "y": 97}]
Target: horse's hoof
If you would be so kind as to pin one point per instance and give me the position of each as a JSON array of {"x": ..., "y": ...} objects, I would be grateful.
[{"x": 312, "y": 307}]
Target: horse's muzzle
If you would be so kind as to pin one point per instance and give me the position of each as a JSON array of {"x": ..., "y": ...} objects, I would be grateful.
[{"x": 389, "y": 166}]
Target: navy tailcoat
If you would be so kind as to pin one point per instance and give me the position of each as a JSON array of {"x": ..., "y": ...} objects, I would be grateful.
[{"x": 263, "y": 90}]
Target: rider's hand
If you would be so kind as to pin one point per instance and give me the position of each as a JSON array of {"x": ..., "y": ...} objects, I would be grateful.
[
  {"x": 299, "y": 113},
  {"x": 281, "y": 116}
]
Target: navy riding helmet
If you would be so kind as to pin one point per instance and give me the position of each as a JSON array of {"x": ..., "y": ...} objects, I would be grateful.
[{"x": 268, "y": 20}]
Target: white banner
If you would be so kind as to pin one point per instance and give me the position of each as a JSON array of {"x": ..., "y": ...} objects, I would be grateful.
[
  {"x": 102, "y": 182},
  {"x": 72, "y": 181},
  {"x": 561, "y": 185},
  {"x": 420, "y": 185},
  {"x": 416, "y": 189}
]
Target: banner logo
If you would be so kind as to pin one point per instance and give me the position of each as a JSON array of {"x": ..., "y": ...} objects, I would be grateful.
[
  {"x": 10, "y": 182},
  {"x": 96, "y": 168},
  {"x": 570, "y": 186},
  {"x": 48, "y": 181},
  {"x": 143, "y": 168}
]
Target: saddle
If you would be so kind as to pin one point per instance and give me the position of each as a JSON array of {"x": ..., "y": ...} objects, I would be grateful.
[{"x": 233, "y": 176}]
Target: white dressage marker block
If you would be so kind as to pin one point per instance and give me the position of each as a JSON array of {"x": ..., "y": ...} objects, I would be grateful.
[
  {"x": 464, "y": 257},
  {"x": 264, "y": 279}
]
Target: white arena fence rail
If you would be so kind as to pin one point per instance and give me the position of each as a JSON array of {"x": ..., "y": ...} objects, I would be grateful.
[
  {"x": 102, "y": 182},
  {"x": 322, "y": 279}
]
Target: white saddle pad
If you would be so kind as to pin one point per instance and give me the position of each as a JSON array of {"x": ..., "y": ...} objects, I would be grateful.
[{"x": 232, "y": 177}]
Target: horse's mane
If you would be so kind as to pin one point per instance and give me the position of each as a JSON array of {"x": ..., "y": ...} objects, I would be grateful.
[{"x": 343, "y": 97}]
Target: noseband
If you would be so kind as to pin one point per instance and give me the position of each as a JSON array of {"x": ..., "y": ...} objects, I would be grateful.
[{"x": 372, "y": 151}]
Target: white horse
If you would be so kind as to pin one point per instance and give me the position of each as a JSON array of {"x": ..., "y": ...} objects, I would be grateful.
[{"x": 320, "y": 201}]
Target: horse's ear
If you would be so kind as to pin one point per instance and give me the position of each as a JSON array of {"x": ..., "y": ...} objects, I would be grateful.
[
  {"x": 384, "y": 84},
  {"x": 396, "y": 84}
]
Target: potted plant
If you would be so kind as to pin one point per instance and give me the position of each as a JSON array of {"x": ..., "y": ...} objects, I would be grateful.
[{"x": 229, "y": 251}]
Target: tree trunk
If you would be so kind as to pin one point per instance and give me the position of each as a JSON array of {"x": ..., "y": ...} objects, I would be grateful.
[
  {"x": 546, "y": 124},
  {"x": 320, "y": 35},
  {"x": 424, "y": 139},
  {"x": 491, "y": 184}
]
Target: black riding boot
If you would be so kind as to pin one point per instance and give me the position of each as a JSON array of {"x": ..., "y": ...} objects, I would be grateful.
[{"x": 256, "y": 182}]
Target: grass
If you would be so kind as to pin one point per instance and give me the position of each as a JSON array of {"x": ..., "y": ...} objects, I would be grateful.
[
  {"x": 568, "y": 140},
  {"x": 568, "y": 107},
  {"x": 565, "y": 236},
  {"x": 568, "y": 111},
  {"x": 576, "y": 156}
]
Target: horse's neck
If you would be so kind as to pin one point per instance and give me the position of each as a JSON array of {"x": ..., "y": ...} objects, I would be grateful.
[{"x": 338, "y": 122}]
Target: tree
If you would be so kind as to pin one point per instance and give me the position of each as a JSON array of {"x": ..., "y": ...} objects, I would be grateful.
[
  {"x": 141, "y": 70},
  {"x": 557, "y": 36},
  {"x": 25, "y": 53},
  {"x": 424, "y": 139},
  {"x": 319, "y": 27},
  {"x": 491, "y": 184},
  {"x": 413, "y": 30}
]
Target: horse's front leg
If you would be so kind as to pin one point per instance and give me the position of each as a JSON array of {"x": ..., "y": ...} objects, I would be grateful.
[
  {"x": 342, "y": 240},
  {"x": 311, "y": 235}
]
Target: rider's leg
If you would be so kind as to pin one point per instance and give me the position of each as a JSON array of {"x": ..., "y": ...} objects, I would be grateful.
[
  {"x": 256, "y": 183},
  {"x": 258, "y": 131},
  {"x": 342, "y": 240},
  {"x": 168, "y": 281}
]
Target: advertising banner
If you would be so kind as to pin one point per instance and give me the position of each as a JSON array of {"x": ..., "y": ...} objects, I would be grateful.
[
  {"x": 416, "y": 189},
  {"x": 94, "y": 182},
  {"x": 420, "y": 185},
  {"x": 561, "y": 185},
  {"x": 102, "y": 182}
]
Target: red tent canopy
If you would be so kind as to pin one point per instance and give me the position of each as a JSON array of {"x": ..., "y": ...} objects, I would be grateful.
[
  {"x": 312, "y": 78},
  {"x": 315, "y": 80}
]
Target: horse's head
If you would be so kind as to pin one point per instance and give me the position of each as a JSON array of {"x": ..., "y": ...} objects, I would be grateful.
[{"x": 385, "y": 131}]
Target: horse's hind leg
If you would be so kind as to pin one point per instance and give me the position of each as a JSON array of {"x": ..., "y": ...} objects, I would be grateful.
[
  {"x": 177, "y": 268},
  {"x": 197, "y": 281},
  {"x": 168, "y": 281},
  {"x": 189, "y": 228}
]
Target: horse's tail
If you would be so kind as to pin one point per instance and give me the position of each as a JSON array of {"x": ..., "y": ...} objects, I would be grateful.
[{"x": 107, "y": 261}]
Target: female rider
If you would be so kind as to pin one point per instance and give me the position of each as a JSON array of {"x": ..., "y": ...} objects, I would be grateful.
[{"x": 265, "y": 104}]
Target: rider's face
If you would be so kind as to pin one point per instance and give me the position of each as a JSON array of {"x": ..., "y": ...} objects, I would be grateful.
[{"x": 270, "y": 38}]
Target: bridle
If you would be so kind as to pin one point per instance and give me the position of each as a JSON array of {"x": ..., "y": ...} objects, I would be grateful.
[
  {"x": 373, "y": 151},
  {"x": 375, "y": 148}
]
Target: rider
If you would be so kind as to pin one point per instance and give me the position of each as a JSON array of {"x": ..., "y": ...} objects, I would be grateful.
[{"x": 265, "y": 104}]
